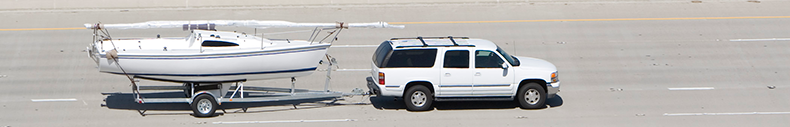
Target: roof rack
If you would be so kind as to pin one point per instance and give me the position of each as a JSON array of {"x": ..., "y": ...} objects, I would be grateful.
[{"x": 422, "y": 40}]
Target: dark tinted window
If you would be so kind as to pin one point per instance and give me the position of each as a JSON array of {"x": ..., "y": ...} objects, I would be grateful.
[
  {"x": 214, "y": 43},
  {"x": 381, "y": 53},
  {"x": 487, "y": 59},
  {"x": 456, "y": 59},
  {"x": 412, "y": 58}
]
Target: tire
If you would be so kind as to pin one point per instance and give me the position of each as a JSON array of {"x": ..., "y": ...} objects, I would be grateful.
[
  {"x": 418, "y": 98},
  {"x": 531, "y": 96},
  {"x": 204, "y": 105}
]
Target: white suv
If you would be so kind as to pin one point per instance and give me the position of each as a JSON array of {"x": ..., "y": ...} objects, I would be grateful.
[{"x": 425, "y": 69}]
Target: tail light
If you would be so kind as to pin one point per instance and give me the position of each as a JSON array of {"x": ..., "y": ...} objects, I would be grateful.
[{"x": 381, "y": 78}]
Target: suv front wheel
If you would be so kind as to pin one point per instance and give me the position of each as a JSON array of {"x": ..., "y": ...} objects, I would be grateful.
[
  {"x": 531, "y": 96},
  {"x": 418, "y": 98}
]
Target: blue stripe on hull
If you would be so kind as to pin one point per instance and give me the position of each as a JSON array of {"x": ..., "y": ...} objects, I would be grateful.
[
  {"x": 214, "y": 57},
  {"x": 222, "y": 74},
  {"x": 223, "y": 55}
]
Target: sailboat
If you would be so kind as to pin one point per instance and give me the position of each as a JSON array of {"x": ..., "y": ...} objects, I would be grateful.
[{"x": 210, "y": 56}]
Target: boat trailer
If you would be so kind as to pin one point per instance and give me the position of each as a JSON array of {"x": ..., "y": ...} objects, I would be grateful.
[{"x": 205, "y": 98}]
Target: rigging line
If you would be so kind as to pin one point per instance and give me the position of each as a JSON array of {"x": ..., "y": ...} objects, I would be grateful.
[
  {"x": 312, "y": 39},
  {"x": 288, "y": 32},
  {"x": 134, "y": 85},
  {"x": 311, "y": 35},
  {"x": 335, "y": 37},
  {"x": 330, "y": 34}
]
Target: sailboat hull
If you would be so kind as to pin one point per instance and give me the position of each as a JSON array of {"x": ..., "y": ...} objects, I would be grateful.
[{"x": 217, "y": 66}]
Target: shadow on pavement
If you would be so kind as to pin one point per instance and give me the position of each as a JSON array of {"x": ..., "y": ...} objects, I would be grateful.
[
  {"x": 555, "y": 102},
  {"x": 387, "y": 103},
  {"x": 392, "y": 103},
  {"x": 126, "y": 101}
]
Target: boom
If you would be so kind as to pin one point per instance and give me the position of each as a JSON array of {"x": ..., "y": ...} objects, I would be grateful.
[{"x": 238, "y": 23}]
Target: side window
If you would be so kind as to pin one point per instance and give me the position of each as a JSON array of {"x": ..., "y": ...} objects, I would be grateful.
[
  {"x": 215, "y": 43},
  {"x": 487, "y": 59},
  {"x": 456, "y": 59},
  {"x": 412, "y": 58}
]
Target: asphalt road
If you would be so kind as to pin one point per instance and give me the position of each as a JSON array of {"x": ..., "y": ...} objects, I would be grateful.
[{"x": 621, "y": 64}]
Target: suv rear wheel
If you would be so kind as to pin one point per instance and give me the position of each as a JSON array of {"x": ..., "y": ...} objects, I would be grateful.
[
  {"x": 418, "y": 98},
  {"x": 531, "y": 96}
]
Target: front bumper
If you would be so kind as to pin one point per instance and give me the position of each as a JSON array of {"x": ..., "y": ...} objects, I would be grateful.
[{"x": 552, "y": 89}]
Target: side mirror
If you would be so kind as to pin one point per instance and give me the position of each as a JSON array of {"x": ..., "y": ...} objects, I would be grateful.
[{"x": 504, "y": 69}]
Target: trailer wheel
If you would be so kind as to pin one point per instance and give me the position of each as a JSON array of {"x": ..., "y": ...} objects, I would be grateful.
[{"x": 204, "y": 105}]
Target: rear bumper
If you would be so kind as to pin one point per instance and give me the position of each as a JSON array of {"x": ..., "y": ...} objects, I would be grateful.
[
  {"x": 372, "y": 85},
  {"x": 552, "y": 89}
]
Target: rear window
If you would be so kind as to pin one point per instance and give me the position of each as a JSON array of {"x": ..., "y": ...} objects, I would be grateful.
[
  {"x": 411, "y": 58},
  {"x": 381, "y": 53}
]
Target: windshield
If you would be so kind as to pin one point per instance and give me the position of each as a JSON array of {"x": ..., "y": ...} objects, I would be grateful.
[{"x": 510, "y": 59}]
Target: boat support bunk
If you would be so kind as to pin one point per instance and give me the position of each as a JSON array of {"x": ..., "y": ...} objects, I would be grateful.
[{"x": 205, "y": 98}]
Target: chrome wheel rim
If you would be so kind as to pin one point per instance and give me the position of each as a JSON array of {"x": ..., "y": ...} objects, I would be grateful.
[
  {"x": 418, "y": 98},
  {"x": 532, "y": 96},
  {"x": 204, "y": 106}
]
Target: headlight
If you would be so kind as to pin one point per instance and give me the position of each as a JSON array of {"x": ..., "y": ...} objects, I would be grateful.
[{"x": 555, "y": 77}]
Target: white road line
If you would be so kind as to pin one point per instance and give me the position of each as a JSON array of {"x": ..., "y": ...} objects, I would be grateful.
[
  {"x": 352, "y": 70},
  {"x": 345, "y": 69},
  {"x": 762, "y": 39},
  {"x": 286, "y": 121},
  {"x": 355, "y": 46},
  {"x": 726, "y": 113},
  {"x": 53, "y": 100},
  {"x": 691, "y": 88}
]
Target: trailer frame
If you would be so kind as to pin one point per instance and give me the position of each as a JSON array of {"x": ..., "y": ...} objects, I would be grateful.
[{"x": 221, "y": 93}]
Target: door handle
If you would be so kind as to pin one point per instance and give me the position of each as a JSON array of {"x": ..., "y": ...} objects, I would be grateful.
[
  {"x": 478, "y": 74},
  {"x": 446, "y": 74}
]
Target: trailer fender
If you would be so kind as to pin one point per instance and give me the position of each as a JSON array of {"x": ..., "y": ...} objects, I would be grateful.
[{"x": 219, "y": 102}]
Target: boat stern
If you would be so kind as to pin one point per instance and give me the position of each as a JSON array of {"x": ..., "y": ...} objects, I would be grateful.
[{"x": 93, "y": 52}]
